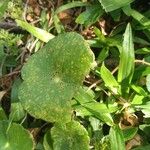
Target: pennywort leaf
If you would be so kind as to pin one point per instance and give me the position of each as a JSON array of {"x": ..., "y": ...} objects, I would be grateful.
[
  {"x": 53, "y": 75},
  {"x": 70, "y": 5},
  {"x": 3, "y": 7},
  {"x": 71, "y": 136},
  {"x": 15, "y": 137}
]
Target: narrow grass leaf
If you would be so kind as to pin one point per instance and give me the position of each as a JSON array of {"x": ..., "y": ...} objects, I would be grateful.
[
  {"x": 139, "y": 90},
  {"x": 117, "y": 140},
  {"x": 37, "y": 32},
  {"x": 70, "y": 5},
  {"x": 126, "y": 64},
  {"x": 83, "y": 96},
  {"x": 3, "y": 7},
  {"x": 101, "y": 111},
  {"x": 110, "y": 5},
  {"x": 90, "y": 15},
  {"x": 129, "y": 133},
  {"x": 109, "y": 79},
  {"x": 144, "y": 21},
  {"x": 59, "y": 27},
  {"x": 137, "y": 100},
  {"x": 101, "y": 107}
]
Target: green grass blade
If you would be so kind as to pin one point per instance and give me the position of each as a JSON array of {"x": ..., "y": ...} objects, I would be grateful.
[
  {"x": 129, "y": 133},
  {"x": 126, "y": 64},
  {"x": 70, "y": 5},
  {"x": 116, "y": 138},
  {"x": 109, "y": 79},
  {"x": 3, "y": 7},
  {"x": 144, "y": 21},
  {"x": 90, "y": 15},
  {"x": 37, "y": 32},
  {"x": 110, "y": 5},
  {"x": 59, "y": 27}
]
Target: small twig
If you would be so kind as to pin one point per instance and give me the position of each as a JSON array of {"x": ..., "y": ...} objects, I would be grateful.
[
  {"x": 33, "y": 45},
  {"x": 10, "y": 74},
  {"x": 142, "y": 62},
  {"x": 94, "y": 84},
  {"x": 25, "y": 10},
  {"x": 115, "y": 70}
]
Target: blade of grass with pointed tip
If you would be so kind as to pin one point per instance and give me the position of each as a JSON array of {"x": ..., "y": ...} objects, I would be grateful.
[
  {"x": 59, "y": 27},
  {"x": 109, "y": 79},
  {"x": 101, "y": 111},
  {"x": 116, "y": 138},
  {"x": 144, "y": 21},
  {"x": 139, "y": 90},
  {"x": 110, "y": 5},
  {"x": 90, "y": 15},
  {"x": 70, "y": 5},
  {"x": 3, "y": 7},
  {"x": 101, "y": 107},
  {"x": 37, "y": 32},
  {"x": 15, "y": 137},
  {"x": 126, "y": 64},
  {"x": 129, "y": 133}
]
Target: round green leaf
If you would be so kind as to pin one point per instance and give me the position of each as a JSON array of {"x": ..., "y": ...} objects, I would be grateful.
[
  {"x": 53, "y": 75},
  {"x": 17, "y": 112},
  {"x": 71, "y": 136},
  {"x": 14, "y": 137}
]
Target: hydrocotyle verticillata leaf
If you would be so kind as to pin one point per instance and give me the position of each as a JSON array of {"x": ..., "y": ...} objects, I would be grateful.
[
  {"x": 70, "y": 136},
  {"x": 53, "y": 75},
  {"x": 15, "y": 137},
  {"x": 126, "y": 64}
]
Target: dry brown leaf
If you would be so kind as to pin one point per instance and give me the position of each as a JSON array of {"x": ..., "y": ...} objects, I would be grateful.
[
  {"x": 136, "y": 141},
  {"x": 2, "y": 93}
]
